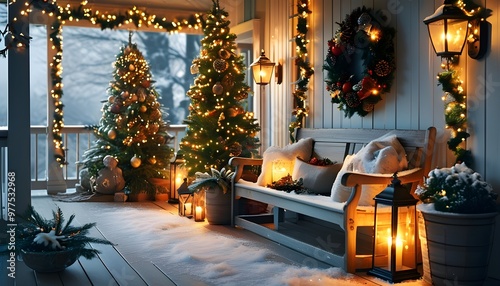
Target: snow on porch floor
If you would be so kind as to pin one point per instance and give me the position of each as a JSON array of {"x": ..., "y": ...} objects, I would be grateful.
[{"x": 154, "y": 246}]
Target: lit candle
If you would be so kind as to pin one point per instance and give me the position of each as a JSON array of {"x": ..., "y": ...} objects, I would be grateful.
[
  {"x": 280, "y": 169},
  {"x": 399, "y": 252},
  {"x": 198, "y": 214},
  {"x": 187, "y": 209}
]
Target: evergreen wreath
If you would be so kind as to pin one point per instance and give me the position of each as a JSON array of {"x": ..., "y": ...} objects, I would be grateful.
[{"x": 362, "y": 35}]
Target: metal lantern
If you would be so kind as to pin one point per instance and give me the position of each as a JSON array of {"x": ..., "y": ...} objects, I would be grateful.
[
  {"x": 395, "y": 236},
  {"x": 262, "y": 69},
  {"x": 199, "y": 205},
  {"x": 177, "y": 174},
  {"x": 186, "y": 206},
  {"x": 448, "y": 28}
]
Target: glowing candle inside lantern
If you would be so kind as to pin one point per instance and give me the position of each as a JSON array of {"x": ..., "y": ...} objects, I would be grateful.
[
  {"x": 281, "y": 168},
  {"x": 399, "y": 252},
  {"x": 198, "y": 214},
  {"x": 188, "y": 209}
]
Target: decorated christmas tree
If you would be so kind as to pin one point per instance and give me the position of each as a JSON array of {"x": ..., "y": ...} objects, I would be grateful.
[
  {"x": 131, "y": 128},
  {"x": 218, "y": 125}
]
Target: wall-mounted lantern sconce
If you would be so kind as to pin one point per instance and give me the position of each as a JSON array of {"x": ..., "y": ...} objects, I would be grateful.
[
  {"x": 262, "y": 70},
  {"x": 450, "y": 27}
]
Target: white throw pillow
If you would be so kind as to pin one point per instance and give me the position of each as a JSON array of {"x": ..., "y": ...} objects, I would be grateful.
[
  {"x": 301, "y": 149},
  {"x": 317, "y": 179}
]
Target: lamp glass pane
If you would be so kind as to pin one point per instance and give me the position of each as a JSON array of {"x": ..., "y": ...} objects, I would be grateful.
[
  {"x": 437, "y": 34},
  {"x": 457, "y": 33}
]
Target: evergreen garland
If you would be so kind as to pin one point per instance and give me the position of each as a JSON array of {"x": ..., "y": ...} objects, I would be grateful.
[{"x": 300, "y": 110}]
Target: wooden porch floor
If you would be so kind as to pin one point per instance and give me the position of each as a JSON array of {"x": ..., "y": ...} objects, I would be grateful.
[{"x": 120, "y": 264}]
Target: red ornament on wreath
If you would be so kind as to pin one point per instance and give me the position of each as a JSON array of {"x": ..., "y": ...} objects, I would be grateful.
[{"x": 355, "y": 91}]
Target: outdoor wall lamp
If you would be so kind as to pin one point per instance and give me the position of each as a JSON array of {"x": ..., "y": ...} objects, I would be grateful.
[
  {"x": 262, "y": 70},
  {"x": 450, "y": 27}
]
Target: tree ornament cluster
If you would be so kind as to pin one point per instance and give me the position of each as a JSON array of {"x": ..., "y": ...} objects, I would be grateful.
[
  {"x": 360, "y": 62},
  {"x": 218, "y": 127}
]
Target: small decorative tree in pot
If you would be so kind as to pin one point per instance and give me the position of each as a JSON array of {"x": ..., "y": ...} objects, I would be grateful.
[
  {"x": 459, "y": 211},
  {"x": 218, "y": 198},
  {"x": 51, "y": 245}
]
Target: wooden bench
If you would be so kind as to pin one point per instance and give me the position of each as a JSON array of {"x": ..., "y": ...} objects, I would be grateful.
[{"x": 322, "y": 228}]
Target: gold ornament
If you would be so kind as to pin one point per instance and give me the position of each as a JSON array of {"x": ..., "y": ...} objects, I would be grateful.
[
  {"x": 134, "y": 97},
  {"x": 232, "y": 112},
  {"x": 194, "y": 69},
  {"x": 228, "y": 81},
  {"x": 125, "y": 94},
  {"x": 131, "y": 67},
  {"x": 224, "y": 54},
  {"x": 152, "y": 160},
  {"x": 368, "y": 107},
  {"x": 218, "y": 88},
  {"x": 382, "y": 68},
  {"x": 112, "y": 134},
  {"x": 135, "y": 162},
  {"x": 143, "y": 108},
  {"x": 220, "y": 65}
]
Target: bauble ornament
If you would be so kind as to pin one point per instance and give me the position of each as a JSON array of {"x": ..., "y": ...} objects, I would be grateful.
[
  {"x": 152, "y": 160},
  {"x": 146, "y": 83},
  {"x": 135, "y": 162},
  {"x": 218, "y": 88},
  {"x": 143, "y": 108},
  {"x": 131, "y": 67},
  {"x": 112, "y": 134},
  {"x": 115, "y": 108}
]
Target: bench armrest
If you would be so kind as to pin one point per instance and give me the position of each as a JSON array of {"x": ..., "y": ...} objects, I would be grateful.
[
  {"x": 240, "y": 162},
  {"x": 356, "y": 180},
  {"x": 351, "y": 179}
]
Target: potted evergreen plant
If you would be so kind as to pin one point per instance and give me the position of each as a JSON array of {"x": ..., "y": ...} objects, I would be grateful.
[
  {"x": 459, "y": 211},
  {"x": 218, "y": 198},
  {"x": 51, "y": 245}
]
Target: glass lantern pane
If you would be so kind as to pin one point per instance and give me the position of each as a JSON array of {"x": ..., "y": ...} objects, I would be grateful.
[
  {"x": 436, "y": 32},
  {"x": 457, "y": 32},
  {"x": 383, "y": 214},
  {"x": 405, "y": 239}
]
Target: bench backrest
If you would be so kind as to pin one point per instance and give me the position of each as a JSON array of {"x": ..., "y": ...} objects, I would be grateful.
[{"x": 335, "y": 144}]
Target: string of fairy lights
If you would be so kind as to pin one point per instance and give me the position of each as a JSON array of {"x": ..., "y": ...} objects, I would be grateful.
[
  {"x": 105, "y": 20},
  {"x": 300, "y": 109}
]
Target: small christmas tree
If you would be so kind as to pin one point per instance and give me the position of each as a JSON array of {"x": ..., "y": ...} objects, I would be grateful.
[
  {"x": 218, "y": 125},
  {"x": 132, "y": 128}
]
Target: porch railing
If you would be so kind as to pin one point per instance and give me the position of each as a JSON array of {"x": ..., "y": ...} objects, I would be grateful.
[{"x": 77, "y": 139}]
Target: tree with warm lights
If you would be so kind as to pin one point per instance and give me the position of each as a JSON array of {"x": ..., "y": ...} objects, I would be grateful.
[
  {"x": 218, "y": 126},
  {"x": 131, "y": 128}
]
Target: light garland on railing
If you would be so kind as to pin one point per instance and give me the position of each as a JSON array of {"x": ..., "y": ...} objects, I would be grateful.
[
  {"x": 300, "y": 110},
  {"x": 106, "y": 21}
]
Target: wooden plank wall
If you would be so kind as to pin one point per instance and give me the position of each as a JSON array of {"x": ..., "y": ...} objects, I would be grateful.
[{"x": 415, "y": 98}]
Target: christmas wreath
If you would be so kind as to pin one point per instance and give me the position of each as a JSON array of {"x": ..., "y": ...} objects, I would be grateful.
[{"x": 362, "y": 37}]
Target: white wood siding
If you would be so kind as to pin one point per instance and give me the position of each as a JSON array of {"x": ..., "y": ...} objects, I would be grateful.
[{"x": 415, "y": 98}]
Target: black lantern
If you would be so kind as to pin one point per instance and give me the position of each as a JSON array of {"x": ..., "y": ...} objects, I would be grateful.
[
  {"x": 448, "y": 28},
  {"x": 177, "y": 174},
  {"x": 395, "y": 234},
  {"x": 262, "y": 69},
  {"x": 185, "y": 200}
]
